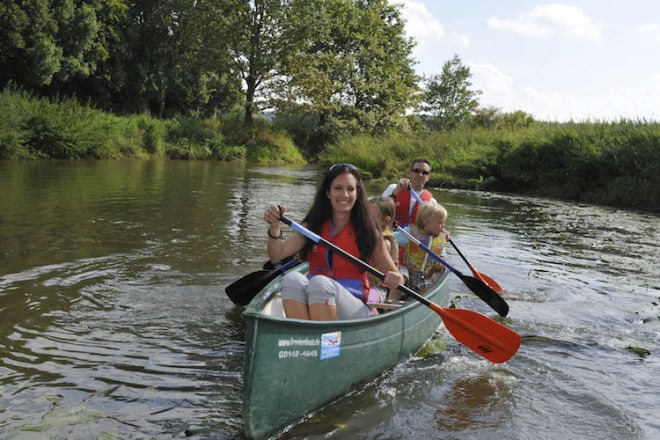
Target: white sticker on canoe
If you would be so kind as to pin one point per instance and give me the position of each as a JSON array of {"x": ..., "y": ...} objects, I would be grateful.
[{"x": 330, "y": 345}]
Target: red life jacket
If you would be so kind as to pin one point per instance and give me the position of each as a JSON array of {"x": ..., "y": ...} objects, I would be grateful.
[
  {"x": 324, "y": 261},
  {"x": 403, "y": 216}
]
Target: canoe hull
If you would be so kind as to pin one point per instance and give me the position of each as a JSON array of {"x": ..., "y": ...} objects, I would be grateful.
[{"x": 293, "y": 367}]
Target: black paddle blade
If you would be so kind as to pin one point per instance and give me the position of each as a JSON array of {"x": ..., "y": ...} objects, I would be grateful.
[
  {"x": 242, "y": 291},
  {"x": 488, "y": 295}
]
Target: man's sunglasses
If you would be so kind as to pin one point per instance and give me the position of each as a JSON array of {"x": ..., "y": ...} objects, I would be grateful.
[{"x": 420, "y": 171}]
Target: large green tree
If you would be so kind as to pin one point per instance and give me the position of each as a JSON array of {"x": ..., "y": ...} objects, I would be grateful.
[
  {"x": 449, "y": 97},
  {"x": 165, "y": 57},
  {"x": 256, "y": 45},
  {"x": 348, "y": 62},
  {"x": 173, "y": 58},
  {"x": 208, "y": 56},
  {"x": 47, "y": 41}
]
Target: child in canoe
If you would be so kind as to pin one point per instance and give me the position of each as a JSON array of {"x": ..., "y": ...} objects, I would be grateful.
[
  {"x": 382, "y": 211},
  {"x": 429, "y": 228}
]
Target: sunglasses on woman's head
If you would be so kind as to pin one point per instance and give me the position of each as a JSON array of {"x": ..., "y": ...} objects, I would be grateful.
[
  {"x": 337, "y": 166},
  {"x": 420, "y": 171}
]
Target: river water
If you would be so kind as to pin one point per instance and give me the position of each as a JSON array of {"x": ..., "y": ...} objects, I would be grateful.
[{"x": 114, "y": 322}]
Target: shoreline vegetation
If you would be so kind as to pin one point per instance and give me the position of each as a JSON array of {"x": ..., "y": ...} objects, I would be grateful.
[{"x": 607, "y": 163}]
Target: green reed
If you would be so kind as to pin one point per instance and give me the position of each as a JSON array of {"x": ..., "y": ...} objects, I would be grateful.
[
  {"x": 610, "y": 163},
  {"x": 39, "y": 128}
]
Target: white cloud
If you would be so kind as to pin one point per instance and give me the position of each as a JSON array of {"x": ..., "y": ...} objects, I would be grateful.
[
  {"x": 650, "y": 29},
  {"x": 495, "y": 84},
  {"x": 646, "y": 102},
  {"x": 607, "y": 107},
  {"x": 420, "y": 24},
  {"x": 656, "y": 80},
  {"x": 458, "y": 40},
  {"x": 501, "y": 91},
  {"x": 553, "y": 106},
  {"x": 550, "y": 20}
]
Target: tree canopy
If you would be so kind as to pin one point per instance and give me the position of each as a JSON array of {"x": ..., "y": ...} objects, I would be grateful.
[
  {"x": 343, "y": 65},
  {"x": 349, "y": 62}
]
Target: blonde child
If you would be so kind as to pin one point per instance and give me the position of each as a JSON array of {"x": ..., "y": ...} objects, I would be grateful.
[{"x": 429, "y": 228}]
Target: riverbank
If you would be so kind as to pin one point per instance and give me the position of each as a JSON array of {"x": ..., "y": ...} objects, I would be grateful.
[{"x": 606, "y": 163}]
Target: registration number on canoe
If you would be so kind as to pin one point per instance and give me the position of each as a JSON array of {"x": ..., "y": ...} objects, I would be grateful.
[
  {"x": 284, "y": 354},
  {"x": 325, "y": 347}
]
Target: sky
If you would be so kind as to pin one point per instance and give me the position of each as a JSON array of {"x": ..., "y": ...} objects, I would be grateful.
[{"x": 587, "y": 60}]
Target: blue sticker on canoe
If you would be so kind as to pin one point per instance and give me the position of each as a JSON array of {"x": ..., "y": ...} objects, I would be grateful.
[{"x": 330, "y": 345}]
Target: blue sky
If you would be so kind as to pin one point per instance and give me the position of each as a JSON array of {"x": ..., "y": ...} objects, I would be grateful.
[{"x": 574, "y": 60}]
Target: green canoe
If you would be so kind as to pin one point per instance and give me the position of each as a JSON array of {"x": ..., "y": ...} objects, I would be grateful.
[{"x": 293, "y": 367}]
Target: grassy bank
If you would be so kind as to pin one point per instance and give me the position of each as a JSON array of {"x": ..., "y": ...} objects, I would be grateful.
[
  {"x": 37, "y": 128},
  {"x": 609, "y": 163}
]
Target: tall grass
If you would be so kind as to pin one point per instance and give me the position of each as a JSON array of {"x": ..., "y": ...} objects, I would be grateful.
[
  {"x": 377, "y": 157},
  {"x": 34, "y": 128},
  {"x": 61, "y": 129},
  {"x": 614, "y": 163},
  {"x": 610, "y": 163}
]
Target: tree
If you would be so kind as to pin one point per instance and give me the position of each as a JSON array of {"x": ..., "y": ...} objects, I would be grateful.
[
  {"x": 206, "y": 79},
  {"x": 254, "y": 29},
  {"x": 448, "y": 97},
  {"x": 44, "y": 42},
  {"x": 173, "y": 58},
  {"x": 348, "y": 62},
  {"x": 345, "y": 63},
  {"x": 516, "y": 119},
  {"x": 493, "y": 117}
]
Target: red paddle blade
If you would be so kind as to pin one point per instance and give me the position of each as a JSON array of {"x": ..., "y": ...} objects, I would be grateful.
[
  {"x": 486, "y": 337},
  {"x": 481, "y": 276},
  {"x": 487, "y": 280}
]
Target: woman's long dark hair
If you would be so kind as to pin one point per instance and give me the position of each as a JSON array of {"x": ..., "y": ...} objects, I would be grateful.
[{"x": 366, "y": 234}]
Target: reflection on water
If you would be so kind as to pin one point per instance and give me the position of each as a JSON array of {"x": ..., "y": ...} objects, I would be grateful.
[
  {"x": 114, "y": 319},
  {"x": 474, "y": 404}
]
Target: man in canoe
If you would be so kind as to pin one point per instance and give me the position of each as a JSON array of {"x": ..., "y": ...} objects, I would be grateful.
[
  {"x": 406, "y": 203},
  {"x": 335, "y": 288}
]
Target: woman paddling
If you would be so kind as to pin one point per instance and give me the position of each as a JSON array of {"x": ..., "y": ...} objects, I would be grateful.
[{"x": 334, "y": 288}]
